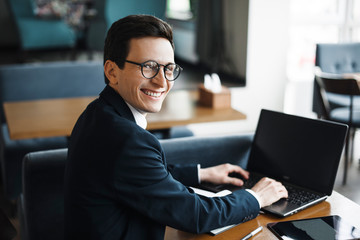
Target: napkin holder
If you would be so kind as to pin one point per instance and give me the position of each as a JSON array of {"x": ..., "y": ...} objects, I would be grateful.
[{"x": 218, "y": 100}]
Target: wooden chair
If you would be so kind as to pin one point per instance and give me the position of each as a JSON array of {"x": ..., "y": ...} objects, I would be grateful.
[{"x": 335, "y": 83}]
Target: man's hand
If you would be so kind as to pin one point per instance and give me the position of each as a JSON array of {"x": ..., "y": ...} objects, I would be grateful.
[
  {"x": 220, "y": 174},
  {"x": 269, "y": 191}
]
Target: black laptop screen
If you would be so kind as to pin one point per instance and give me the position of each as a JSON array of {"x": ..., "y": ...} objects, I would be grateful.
[{"x": 299, "y": 150}]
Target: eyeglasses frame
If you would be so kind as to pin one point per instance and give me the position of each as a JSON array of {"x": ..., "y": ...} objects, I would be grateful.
[{"x": 165, "y": 66}]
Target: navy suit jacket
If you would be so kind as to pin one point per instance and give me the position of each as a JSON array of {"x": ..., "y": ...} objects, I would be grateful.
[{"x": 118, "y": 184}]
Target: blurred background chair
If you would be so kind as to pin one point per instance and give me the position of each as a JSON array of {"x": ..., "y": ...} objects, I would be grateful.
[
  {"x": 42, "y": 32},
  {"x": 116, "y": 9},
  {"x": 349, "y": 114},
  {"x": 37, "y": 33},
  {"x": 108, "y": 11},
  {"x": 336, "y": 58}
]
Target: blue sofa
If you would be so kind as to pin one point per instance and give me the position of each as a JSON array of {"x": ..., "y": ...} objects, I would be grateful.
[{"x": 41, "y": 205}]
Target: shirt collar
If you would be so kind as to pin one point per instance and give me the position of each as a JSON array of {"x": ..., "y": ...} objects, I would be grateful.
[{"x": 139, "y": 117}]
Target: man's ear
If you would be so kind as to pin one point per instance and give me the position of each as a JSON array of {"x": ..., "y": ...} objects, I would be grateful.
[{"x": 110, "y": 72}]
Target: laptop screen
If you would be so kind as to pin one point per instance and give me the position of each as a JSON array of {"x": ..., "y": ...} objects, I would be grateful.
[{"x": 298, "y": 150}]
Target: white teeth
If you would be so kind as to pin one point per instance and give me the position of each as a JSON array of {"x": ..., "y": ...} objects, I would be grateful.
[{"x": 153, "y": 94}]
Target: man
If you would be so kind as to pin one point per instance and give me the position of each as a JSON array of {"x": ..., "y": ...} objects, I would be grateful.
[{"x": 117, "y": 182}]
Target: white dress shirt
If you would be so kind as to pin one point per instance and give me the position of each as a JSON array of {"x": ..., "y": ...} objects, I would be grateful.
[{"x": 139, "y": 117}]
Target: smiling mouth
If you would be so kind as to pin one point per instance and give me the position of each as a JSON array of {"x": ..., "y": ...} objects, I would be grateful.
[{"x": 152, "y": 94}]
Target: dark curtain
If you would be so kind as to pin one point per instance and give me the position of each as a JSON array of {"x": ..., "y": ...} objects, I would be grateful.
[
  {"x": 221, "y": 37},
  {"x": 210, "y": 44}
]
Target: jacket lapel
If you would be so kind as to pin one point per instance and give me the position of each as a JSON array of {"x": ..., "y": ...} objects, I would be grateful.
[{"x": 117, "y": 102}]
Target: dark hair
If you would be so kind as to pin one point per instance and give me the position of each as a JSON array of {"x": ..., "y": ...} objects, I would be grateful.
[{"x": 122, "y": 31}]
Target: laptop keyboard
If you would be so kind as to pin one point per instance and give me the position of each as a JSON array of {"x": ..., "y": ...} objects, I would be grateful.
[
  {"x": 296, "y": 195},
  {"x": 299, "y": 196},
  {"x": 251, "y": 181}
]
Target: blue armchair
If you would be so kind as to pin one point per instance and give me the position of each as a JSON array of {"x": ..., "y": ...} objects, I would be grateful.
[
  {"x": 117, "y": 9},
  {"x": 109, "y": 11},
  {"x": 37, "y": 33}
]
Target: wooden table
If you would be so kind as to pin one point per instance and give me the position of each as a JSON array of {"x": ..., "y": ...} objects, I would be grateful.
[
  {"x": 57, "y": 117},
  {"x": 336, "y": 204}
]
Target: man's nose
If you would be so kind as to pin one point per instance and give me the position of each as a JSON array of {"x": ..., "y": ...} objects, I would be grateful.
[{"x": 160, "y": 79}]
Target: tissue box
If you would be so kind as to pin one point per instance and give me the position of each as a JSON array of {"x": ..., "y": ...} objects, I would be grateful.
[{"x": 218, "y": 100}]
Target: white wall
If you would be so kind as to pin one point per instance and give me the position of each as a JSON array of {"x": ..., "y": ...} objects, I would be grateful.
[{"x": 266, "y": 68}]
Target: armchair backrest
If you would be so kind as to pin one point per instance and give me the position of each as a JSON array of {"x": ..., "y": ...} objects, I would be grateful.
[
  {"x": 338, "y": 57},
  {"x": 116, "y": 9},
  {"x": 208, "y": 151},
  {"x": 42, "y": 200},
  {"x": 22, "y": 8}
]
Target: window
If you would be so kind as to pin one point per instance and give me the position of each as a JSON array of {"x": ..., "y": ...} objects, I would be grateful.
[
  {"x": 179, "y": 9},
  {"x": 319, "y": 21}
]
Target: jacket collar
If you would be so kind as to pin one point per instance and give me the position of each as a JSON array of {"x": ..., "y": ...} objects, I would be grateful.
[{"x": 117, "y": 102}]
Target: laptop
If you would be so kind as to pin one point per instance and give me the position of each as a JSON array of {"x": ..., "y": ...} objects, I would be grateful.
[{"x": 300, "y": 152}]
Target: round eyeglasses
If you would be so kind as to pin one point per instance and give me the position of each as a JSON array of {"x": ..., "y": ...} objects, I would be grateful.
[{"x": 150, "y": 69}]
